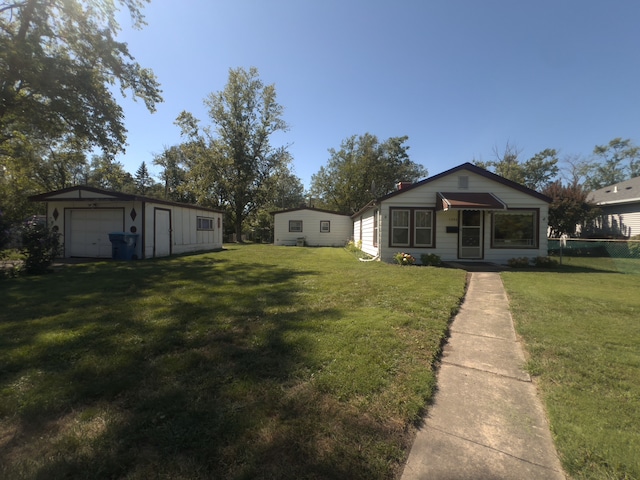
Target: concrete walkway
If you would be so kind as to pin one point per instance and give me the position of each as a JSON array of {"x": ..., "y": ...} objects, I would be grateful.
[{"x": 487, "y": 421}]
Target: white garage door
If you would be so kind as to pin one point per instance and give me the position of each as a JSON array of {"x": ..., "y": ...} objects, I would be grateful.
[{"x": 89, "y": 232}]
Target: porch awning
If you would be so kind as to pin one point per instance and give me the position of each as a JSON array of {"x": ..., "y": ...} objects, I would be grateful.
[{"x": 468, "y": 201}]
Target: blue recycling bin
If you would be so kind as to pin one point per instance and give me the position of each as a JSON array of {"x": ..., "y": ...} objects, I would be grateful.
[{"x": 123, "y": 245}]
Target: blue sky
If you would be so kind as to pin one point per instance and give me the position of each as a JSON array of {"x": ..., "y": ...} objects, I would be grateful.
[{"x": 458, "y": 77}]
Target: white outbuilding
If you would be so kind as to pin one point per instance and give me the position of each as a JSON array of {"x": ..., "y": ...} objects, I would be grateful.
[
  {"x": 311, "y": 227},
  {"x": 85, "y": 216}
]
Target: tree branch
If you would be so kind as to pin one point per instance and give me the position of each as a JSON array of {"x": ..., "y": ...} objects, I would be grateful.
[{"x": 12, "y": 6}]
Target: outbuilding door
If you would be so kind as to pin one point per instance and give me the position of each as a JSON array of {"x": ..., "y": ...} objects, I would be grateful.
[
  {"x": 88, "y": 231},
  {"x": 470, "y": 234},
  {"x": 162, "y": 232}
]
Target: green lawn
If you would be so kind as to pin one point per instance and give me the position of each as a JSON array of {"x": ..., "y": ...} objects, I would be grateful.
[
  {"x": 600, "y": 264},
  {"x": 581, "y": 327},
  {"x": 253, "y": 362}
]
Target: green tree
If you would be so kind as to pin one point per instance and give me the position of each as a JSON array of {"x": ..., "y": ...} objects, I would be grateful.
[
  {"x": 613, "y": 163},
  {"x": 108, "y": 174},
  {"x": 40, "y": 246},
  {"x": 234, "y": 161},
  {"x": 58, "y": 60},
  {"x": 506, "y": 164},
  {"x": 541, "y": 169},
  {"x": 173, "y": 175},
  {"x": 35, "y": 167},
  {"x": 143, "y": 180},
  {"x": 283, "y": 190},
  {"x": 4, "y": 233},
  {"x": 535, "y": 173},
  {"x": 205, "y": 168},
  {"x": 569, "y": 208},
  {"x": 18, "y": 180},
  {"x": 61, "y": 167},
  {"x": 361, "y": 170},
  {"x": 575, "y": 169}
]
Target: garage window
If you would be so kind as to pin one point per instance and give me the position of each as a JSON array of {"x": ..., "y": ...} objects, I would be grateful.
[
  {"x": 295, "y": 226},
  {"x": 205, "y": 223}
]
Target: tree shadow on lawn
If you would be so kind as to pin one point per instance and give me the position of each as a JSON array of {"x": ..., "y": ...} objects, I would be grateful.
[{"x": 195, "y": 369}]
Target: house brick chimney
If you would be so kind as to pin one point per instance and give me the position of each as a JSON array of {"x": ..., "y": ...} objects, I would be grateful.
[{"x": 403, "y": 185}]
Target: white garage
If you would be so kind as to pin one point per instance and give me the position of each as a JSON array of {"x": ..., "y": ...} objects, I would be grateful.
[{"x": 85, "y": 216}]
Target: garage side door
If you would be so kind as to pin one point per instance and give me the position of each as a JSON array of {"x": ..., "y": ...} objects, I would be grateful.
[
  {"x": 162, "y": 233},
  {"x": 89, "y": 232}
]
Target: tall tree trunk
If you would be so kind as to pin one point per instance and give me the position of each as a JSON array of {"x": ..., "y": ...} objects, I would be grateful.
[{"x": 239, "y": 219}]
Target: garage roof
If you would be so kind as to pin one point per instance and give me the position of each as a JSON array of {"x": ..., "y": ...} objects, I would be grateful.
[{"x": 83, "y": 192}]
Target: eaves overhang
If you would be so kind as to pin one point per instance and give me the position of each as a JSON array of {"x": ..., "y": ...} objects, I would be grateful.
[{"x": 469, "y": 201}]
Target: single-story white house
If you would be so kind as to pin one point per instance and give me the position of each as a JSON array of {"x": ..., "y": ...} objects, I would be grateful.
[
  {"x": 620, "y": 206},
  {"x": 312, "y": 227},
  {"x": 466, "y": 214},
  {"x": 85, "y": 216}
]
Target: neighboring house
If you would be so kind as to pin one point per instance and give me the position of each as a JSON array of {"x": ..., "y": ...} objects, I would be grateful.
[
  {"x": 464, "y": 214},
  {"x": 318, "y": 228},
  {"x": 620, "y": 205},
  {"x": 85, "y": 216}
]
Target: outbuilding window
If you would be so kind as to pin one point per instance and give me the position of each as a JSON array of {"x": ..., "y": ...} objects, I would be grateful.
[
  {"x": 295, "y": 226},
  {"x": 515, "y": 229},
  {"x": 325, "y": 226},
  {"x": 205, "y": 223}
]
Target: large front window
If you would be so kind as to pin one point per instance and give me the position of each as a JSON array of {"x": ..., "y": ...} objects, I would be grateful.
[
  {"x": 411, "y": 227},
  {"x": 515, "y": 229}
]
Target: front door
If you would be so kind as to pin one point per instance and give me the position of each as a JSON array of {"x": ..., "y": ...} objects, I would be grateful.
[{"x": 470, "y": 234}]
